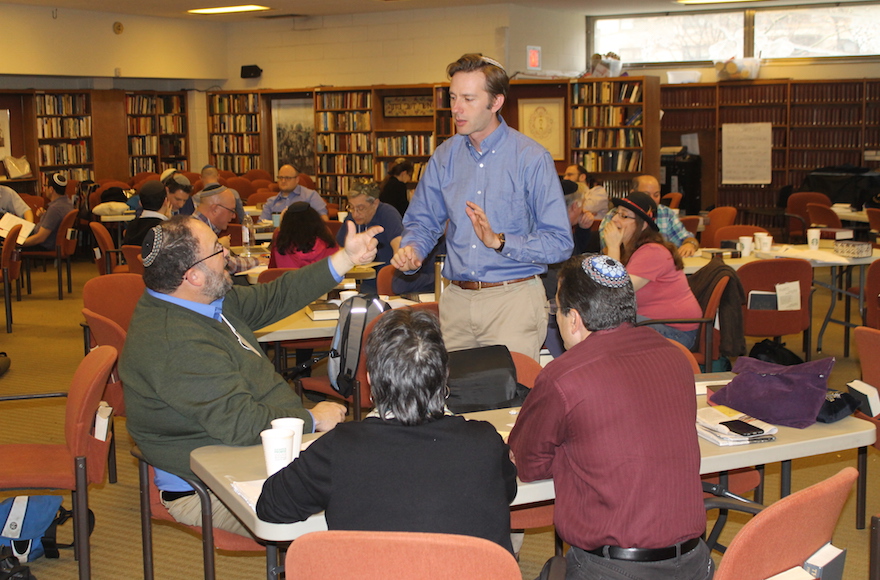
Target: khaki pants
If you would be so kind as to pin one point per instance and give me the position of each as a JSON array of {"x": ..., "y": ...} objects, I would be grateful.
[
  {"x": 188, "y": 510},
  {"x": 514, "y": 315}
]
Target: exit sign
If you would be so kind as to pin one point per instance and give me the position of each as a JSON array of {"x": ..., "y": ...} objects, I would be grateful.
[{"x": 533, "y": 57}]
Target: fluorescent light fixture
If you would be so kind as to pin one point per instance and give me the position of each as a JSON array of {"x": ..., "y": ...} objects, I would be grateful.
[
  {"x": 713, "y": 1},
  {"x": 229, "y": 9}
]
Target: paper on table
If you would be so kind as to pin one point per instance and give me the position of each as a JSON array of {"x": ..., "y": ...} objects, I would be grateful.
[{"x": 712, "y": 417}]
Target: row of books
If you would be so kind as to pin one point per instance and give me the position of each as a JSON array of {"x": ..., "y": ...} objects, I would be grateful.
[
  {"x": 330, "y": 184},
  {"x": 444, "y": 126},
  {"x": 606, "y": 92},
  {"x": 345, "y": 100},
  {"x": 687, "y": 120},
  {"x": 348, "y": 121},
  {"x": 243, "y": 103},
  {"x": 240, "y": 163},
  {"x": 353, "y": 164},
  {"x": 142, "y": 164},
  {"x": 824, "y": 93},
  {"x": 752, "y": 94},
  {"x": 685, "y": 96},
  {"x": 62, "y": 104},
  {"x": 235, "y": 144},
  {"x": 343, "y": 143},
  {"x": 412, "y": 144},
  {"x": 838, "y": 138},
  {"x": 602, "y": 161},
  {"x": 418, "y": 169},
  {"x": 234, "y": 123},
  {"x": 64, "y": 127},
  {"x": 172, "y": 124},
  {"x": 153, "y": 104},
  {"x": 612, "y": 116},
  {"x": 811, "y": 159},
  {"x": 77, "y": 173},
  {"x": 172, "y": 146},
  {"x": 146, "y": 145},
  {"x": 605, "y": 138},
  {"x": 65, "y": 153},
  {"x": 825, "y": 116},
  {"x": 775, "y": 115},
  {"x": 167, "y": 124}
]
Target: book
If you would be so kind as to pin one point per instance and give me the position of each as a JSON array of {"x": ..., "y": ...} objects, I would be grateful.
[
  {"x": 763, "y": 300},
  {"x": 705, "y": 380},
  {"x": 827, "y": 563},
  {"x": 835, "y": 234},
  {"x": 323, "y": 311},
  {"x": 710, "y": 253},
  {"x": 9, "y": 221},
  {"x": 102, "y": 420},
  {"x": 796, "y": 573},
  {"x": 868, "y": 397}
]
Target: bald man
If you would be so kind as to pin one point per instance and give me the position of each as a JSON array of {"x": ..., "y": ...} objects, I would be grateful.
[{"x": 290, "y": 193}]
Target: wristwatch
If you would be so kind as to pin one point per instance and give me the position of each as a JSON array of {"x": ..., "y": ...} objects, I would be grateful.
[{"x": 500, "y": 239}]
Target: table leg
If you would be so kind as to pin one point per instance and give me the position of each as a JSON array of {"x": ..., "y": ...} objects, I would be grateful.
[
  {"x": 847, "y": 311},
  {"x": 273, "y": 570},
  {"x": 833, "y": 288},
  {"x": 862, "y": 488},
  {"x": 785, "y": 479},
  {"x": 759, "y": 491}
]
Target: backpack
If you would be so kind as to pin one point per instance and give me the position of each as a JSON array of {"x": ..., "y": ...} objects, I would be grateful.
[
  {"x": 345, "y": 349},
  {"x": 774, "y": 352},
  {"x": 29, "y": 524},
  {"x": 483, "y": 378}
]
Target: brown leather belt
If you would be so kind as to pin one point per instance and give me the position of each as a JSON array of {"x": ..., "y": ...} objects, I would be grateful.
[{"x": 471, "y": 285}]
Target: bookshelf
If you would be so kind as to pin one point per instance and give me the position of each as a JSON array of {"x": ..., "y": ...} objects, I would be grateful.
[
  {"x": 64, "y": 135},
  {"x": 614, "y": 131},
  {"x": 344, "y": 146},
  {"x": 235, "y": 130},
  {"x": 443, "y": 127},
  {"x": 409, "y": 137},
  {"x": 157, "y": 131}
]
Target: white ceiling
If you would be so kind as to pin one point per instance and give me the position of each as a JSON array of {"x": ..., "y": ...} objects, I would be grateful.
[{"x": 177, "y": 8}]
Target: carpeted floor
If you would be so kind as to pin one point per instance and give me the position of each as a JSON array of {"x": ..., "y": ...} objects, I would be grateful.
[{"x": 46, "y": 346}]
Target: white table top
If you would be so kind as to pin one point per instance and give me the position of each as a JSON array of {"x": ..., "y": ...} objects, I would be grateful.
[
  {"x": 849, "y": 215},
  {"x": 297, "y": 326},
  {"x": 818, "y": 258},
  {"x": 219, "y": 465}
]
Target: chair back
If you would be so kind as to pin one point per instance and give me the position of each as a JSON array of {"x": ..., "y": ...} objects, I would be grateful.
[
  {"x": 140, "y": 184},
  {"x": 527, "y": 369},
  {"x": 873, "y": 218},
  {"x": 334, "y": 227},
  {"x": 306, "y": 181},
  {"x": 709, "y": 339},
  {"x": 787, "y": 532},
  {"x": 191, "y": 175},
  {"x": 34, "y": 202},
  {"x": 83, "y": 398},
  {"x": 143, "y": 176},
  {"x": 765, "y": 275},
  {"x": 259, "y": 197},
  {"x": 674, "y": 199},
  {"x": 822, "y": 216},
  {"x": 333, "y": 211},
  {"x": 718, "y": 218},
  {"x": 797, "y": 205},
  {"x": 67, "y": 247},
  {"x": 243, "y": 186},
  {"x": 691, "y": 223},
  {"x": 258, "y": 184},
  {"x": 106, "y": 246},
  {"x": 9, "y": 265},
  {"x": 868, "y": 347},
  {"x": 114, "y": 296},
  {"x": 270, "y": 274},
  {"x": 133, "y": 259},
  {"x": 734, "y": 232},
  {"x": 226, "y": 174},
  {"x": 872, "y": 296},
  {"x": 412, "y": 555},
  {"x": 105, "y": 332},
  {"x": 383, "y": 280},
  {"x": 695, "y": 366},
  {"x": 254, "y": 174}
]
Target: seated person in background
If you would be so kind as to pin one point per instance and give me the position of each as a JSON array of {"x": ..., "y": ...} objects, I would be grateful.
[
  {"x": 656, "y": 269},
  {"x": 611, "y": 421},
  {"x": 290, "y": 193},
  {"x": 216, "y": 209},
  {"x": 156, "y": 209},
  {"x": 43, "y": 237},
  {"x": 589, "y": 204},
  {"x": 669, "y": 224},
  {"x": 410, "y": 466},
  {"x": 301, "y": 239},
  {"x": 366, "y": 211},
  {"x": 178, "y": 188},
  {"x": 11, "y": 202},
  {"x": 394, "y": 188},
  {"x": 193, "y": 371},
  {"x": 210, "y": 176}
]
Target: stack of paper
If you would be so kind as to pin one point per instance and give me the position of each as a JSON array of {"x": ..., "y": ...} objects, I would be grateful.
[{"x": 710, "y": 427}]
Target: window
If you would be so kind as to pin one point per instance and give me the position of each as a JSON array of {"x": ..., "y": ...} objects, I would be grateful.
[{"x": 847, "y": 30}]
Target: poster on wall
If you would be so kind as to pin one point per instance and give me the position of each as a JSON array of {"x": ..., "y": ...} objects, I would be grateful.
[
  {"x": 746, "y": 153},
  {"x": 293, "y": 134},
  {"x": 542, "y": 120},
  {"x": 5, "y": 137}
]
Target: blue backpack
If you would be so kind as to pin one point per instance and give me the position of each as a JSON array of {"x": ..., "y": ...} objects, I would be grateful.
[{"x": 28, "y": 525}]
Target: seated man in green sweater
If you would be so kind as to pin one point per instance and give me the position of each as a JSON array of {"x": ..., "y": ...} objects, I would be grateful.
[{"x": 193, "y": 371}]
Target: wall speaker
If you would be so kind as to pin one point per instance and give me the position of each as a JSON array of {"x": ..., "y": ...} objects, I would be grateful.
[{"x": 251, "y": 71}]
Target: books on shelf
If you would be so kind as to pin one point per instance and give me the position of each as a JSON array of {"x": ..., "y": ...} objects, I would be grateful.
[{"x": 868, "y": 397}]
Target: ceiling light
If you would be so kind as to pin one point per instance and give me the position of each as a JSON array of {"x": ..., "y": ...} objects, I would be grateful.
[
  {"x": 713, "y": 1},
  {"x": 229, "y": 9}
]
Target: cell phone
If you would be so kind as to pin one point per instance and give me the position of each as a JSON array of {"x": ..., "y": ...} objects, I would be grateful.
[{"x": 742, "y": 428}]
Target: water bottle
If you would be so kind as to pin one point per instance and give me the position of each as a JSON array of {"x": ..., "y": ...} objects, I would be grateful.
[{"x": 248, "y": 235}]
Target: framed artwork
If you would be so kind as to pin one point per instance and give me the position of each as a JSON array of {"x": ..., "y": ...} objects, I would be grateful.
[
  {"x": 543, "y": 121},
  {"x": 408, "y": 106},
  {"x": 293, "y": 133},
  {"x": 5, "y": 137}
]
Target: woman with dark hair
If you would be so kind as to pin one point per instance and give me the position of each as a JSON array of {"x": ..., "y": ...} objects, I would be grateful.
[
  {"x": 410, "y": 466},
  {"x": 301, "y": 239},
  {"x": 394, "y": 188},
  {"x": 656, "y": 269}
]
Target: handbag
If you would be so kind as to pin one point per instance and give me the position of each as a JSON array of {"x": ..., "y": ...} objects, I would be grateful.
[
  {"x": 836, "y": 406},
  {"x": 483, "y": 378},
  {"x": 781, "y": 395}
]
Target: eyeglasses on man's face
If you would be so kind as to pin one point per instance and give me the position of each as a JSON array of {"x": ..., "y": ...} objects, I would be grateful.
[
  {"x": 218, "y": 249},
  {"x": 360, "y": 208},
  {"x": 285, "y": 177},
  {"x": 232, "y": 211}
]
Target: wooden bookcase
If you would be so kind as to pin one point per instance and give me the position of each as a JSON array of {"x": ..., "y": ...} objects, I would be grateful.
[
  {"x": 235, "y": 130},
  {"x": 157, "y": 131},
  {"x": 443, "y": 127},
  {"x": 407, "y": 137},
  {"x": 64, "y": 135},
  {"x": 344, "y": 145},
  {"x": 614, "y": 130}
]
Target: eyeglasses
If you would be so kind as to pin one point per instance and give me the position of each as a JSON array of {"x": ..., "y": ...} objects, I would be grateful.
[
  {"x": 285, "y": 177},
  {"x": 232, "y": 211},
  {"x": 624, "y": 216},
  {"x": 219, "y": 250},
  {"x": 359, "y": 208}
]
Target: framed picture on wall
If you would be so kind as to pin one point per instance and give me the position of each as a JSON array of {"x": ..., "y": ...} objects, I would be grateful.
[
  {"x": 543, "y": 121},
  {"x": 408, "y": 106},
  {"x": 293, "y": 133}
]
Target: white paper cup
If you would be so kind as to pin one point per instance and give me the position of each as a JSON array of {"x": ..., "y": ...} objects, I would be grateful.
[
  {"x": 813, "y": 235},
  {"x": 342, "y": 215},
  {"x": 277, "y": 449},
  {"x": 346, "y": 294},
  {"x": 745, "y": 243},
  {"x": 766, "y": 243},
  {"x": 296, "y": 425}
]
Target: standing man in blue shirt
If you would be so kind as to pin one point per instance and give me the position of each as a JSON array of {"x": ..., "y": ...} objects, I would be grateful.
[
  {"x": 500, "y": 194},
  {"x": 291, "y": 192}
]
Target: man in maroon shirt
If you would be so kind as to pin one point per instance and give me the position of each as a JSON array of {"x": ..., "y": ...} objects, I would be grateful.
[{"x": 611, "y": 421}]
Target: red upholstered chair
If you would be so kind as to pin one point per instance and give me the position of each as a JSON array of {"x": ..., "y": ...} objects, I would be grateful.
[
  {"x": 333, "y": 211},
  {"x": 673, "y": 199},
  {"x": 383, "y": 280},
  {"x": 191, "y": 175},
  {"x": 797, "y": 206},
  {"x": 873, "y": 219},
  {"x": 410, "y": 555},
  {"x": 64, "y": 249},
  {"x": 226, "y": 174},
  {"x": 690, "y": 222},
  {"x": 113, "y": 296},
  {"x": 260, "y": 197},
  {"x": 254, "y": 174},
  {"x": 270, "y": 274},
  {"x": 77, "y": 462},
  {"x": 11, "y": 267},
  {"x": 306, "y": 181},
  {"x": 718, "y": 218},
  {"x": 783, "y": 535},
  {"x": 257, "y": 184},
  {"x": 734, "y": 232},
  {"x": 142, "y": 176},
  {"x": 334, "y": 227},
  {"x": 243, "y": 186},
  {"x": 108, "y": 260},
  {"x": 822, "y": 216},
  {"x": 695, "y": 366},
  {"x": 868, "y": 347},
  {"x": 133, "y": 259},
  {"x": 765, "y": 275}
]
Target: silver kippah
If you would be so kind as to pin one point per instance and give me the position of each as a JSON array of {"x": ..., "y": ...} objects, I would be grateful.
[
  {"x": 152, "y": 245},
  {"x": 605, "y": 271},
  {"x": 493, "y": 62}
]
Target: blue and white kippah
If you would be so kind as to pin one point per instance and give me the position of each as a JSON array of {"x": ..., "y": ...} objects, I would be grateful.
[{"x": 605, "y": 271}]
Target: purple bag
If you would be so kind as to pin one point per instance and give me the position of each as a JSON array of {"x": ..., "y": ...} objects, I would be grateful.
[{"x": 780, "y": 395}]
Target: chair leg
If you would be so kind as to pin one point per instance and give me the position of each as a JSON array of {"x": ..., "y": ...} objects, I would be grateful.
[
  {"x": 356, "y": 400},
  {"x": 18, "y": 289},
  {"x": 111, "y": 456},
  {"x": 27, "y": 274},
  {"x": 7, "y": 297},
  {"x": 146, "y": 521},
  {"x": 69, "y": 279},
  {"x": 874, "y": 558},
  {"x": 81, "y": 519},
  {"x": 207, "y": 530},
  {"x": 273, "y": 570},
  {"x": 558, "y": 543}
]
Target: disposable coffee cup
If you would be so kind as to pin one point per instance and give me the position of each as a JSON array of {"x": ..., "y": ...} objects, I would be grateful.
[
  {"x": 342, "y": 215},
  {"x": 276, "y": 220},
  {"x": 296, "y": 425},
  {"x": 813, "y": 235},
  {"x": 277, "y": 449},
  {"x": 346, "y": 294},
  {"x": 745, "y": 245},
  {"x": 766, "y": 243}
]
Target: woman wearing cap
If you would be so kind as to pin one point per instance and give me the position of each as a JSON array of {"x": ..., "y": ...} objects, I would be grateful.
[
  {"x": 301, "y": 239},
  {"x": 654, "y": 266}
]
